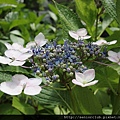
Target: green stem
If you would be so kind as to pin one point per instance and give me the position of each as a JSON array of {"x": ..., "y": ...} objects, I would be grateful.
[
  {"x": 116, "y": 105},
  {"x": 96, "y": 26},
  {"x": 66, "y": 103}
]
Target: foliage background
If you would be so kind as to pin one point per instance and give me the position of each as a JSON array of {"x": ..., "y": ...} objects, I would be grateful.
[{"x": 21, "y": 21}]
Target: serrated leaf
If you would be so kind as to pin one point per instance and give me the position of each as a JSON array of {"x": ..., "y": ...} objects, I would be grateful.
[
  {"x": 118, "y": 10},
  {"x": 5, "y": 77},
  {"x": 51, "y": 96},
  {"x": 110, "y": 8},
  {"x": 69, "y": 19},
  {"x": 15, "y": 69},
  {"x": 21, "y": 106}
]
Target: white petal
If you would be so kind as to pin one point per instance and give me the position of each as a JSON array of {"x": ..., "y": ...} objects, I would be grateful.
[
  {"x": 86, "y": 37},
  {"x": 34, "y": 90},
  {"x": 16, "y": 63},
  {"x": 12, "y": 53},
  {"x": 112, "y": 59},
  {"x": 118, "y": 54},
  {"x": 113, "y": 56},
  {"x": 19, "y": 47},
  {"x": 19, "y": 79},
  {"x": 4, "y": 60},
  {"x": 34, "y": 81},
  {"x": 40, "y": 39},
  {"x": 9, "y": 46},
  {"x": 100, "y": 42},
  {"x": 11, "y": 88},
  {"x": 79, "y": 77},
  {"x": 112, "y": 42},
  {"x": 24, "y": 56},
  {"x": 30, "y": 44},
  {"x": 82, "y": 32},
  {"x": 89, "y": 75},
  {"x": 84, "y": 85},
  {"x": 73, "y": 34},
  {"x": 77, "y": 83},
  {"x": 90, "y": 83}
]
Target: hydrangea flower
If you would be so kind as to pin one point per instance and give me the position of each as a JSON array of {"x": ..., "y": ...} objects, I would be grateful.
[
  {"x": 14, "y": 57},
  {"x": 16, "y": 46},
  {"x": 114, "y": 57},
  {"x": 39, "y": 41},
  {"x": 20, "y": 82},
  {"x": 104, "y": 42},
  {"x": 85, "y": 79},
  {"x": 80, "y": 34}
]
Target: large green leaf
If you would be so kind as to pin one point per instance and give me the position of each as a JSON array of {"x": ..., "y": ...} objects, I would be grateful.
[
  {"x": 108, "y": 78},
  {"x": 7, "y": 109},
  {"x": 116, "y": 67},
  {"x": 18, "y": 23},
  {"x": 69, "y": 19},
  {"x": 51, "y": 96},
  {"x": 87, "y": 12},
  {"x": 110, "y": 8},
  {"x": 118, "y": 10},
  {"x": 86, "y": 101},
  {"x": 21, "y": 106},
  {"x": 105, "y": 23}
]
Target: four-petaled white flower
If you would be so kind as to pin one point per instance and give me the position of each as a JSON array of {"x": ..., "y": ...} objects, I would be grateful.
[
  {"x": 80, "y": 34},
  {"x": 16, "y": 46},
  {"x": 20, "y": 82},
  {"x": 104, "y": 42},
  {"x": 85, "y": 79},
  {"x": 39, "y": 41},
  {"x": 15, "y": 57},
  {"x": 114, "y": 57}
]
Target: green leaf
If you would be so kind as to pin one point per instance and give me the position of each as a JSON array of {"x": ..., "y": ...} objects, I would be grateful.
[
  {"x": 86, "y": 10},
  {"x": 49, "y": 96},
  {"x": 8, "y": 2},
  {"x": 23, "y": 107},
  {"x": 16, "y": 39},
  {"x": 116, "y": 67},
  {"x": 108, "y": 78},
  {"x": 105, "y": 23},
  {"x": 69, "y": 19},
  {"x": 18, "y": 23},
  {"x": 15, "y": 69},
  {"x": 7, "y": 109},
  {"x": 5, "y": 77},
  {"x": 103, "y": 97},
  {"x": 16, "y": 32},
  {"x": 86, "y": 101},
  {"x": 110, "y": 8},
  {"x": 118, "y": 10}
]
